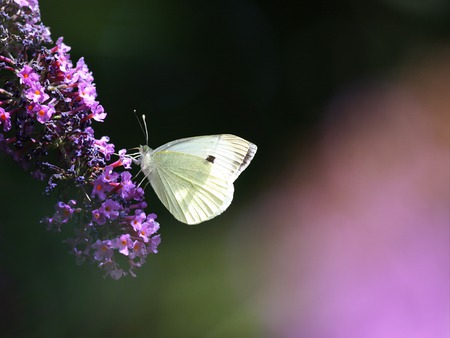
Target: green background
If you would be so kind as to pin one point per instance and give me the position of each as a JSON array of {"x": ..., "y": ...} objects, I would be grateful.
[{"x": 263, "y": 70}]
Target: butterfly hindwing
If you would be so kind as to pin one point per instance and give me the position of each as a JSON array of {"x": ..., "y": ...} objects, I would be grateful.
[{"x": 190, "y": 187}]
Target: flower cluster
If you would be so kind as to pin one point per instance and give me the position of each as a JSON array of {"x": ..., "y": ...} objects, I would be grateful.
[{"x": 47, "y": 108}]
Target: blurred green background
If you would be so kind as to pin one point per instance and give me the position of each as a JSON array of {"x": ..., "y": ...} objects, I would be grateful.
[{"x": 263, "y": 70}]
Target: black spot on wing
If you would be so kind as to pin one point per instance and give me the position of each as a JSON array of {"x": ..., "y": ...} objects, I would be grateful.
[
  {"x": 210, "y": 158},
  {"x": 248, "y": 157}
]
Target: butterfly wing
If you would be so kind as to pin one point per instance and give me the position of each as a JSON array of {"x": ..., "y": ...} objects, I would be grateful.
[
  {"x": 194, "y": 177},
  {"x": 230, "y": 153}
]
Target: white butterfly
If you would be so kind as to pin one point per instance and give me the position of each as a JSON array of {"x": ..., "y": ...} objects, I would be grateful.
[{"x": 193, "y": 177}]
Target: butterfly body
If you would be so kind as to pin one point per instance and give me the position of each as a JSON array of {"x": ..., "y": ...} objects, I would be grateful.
[{"x": 193, "y": 177}]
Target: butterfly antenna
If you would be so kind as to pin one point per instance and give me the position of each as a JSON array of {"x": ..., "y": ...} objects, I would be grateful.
[
  {"x": 145, "y": 129},
  {"x": 142, "y": 126}
]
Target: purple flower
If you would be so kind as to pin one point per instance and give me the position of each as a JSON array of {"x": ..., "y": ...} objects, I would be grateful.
[
  {"x": 32, "y": 4},
  {"x": 154, "y": 243},
  {"x": 129, "y": 190},
  {"x": 109, "y": 175},
  {"x": 123, "y": 243},
  {"x": 104, "y": 183},
  {"x": 148, "y": 228},
  {"x": 100, "y": 189},
  {"x": 64, "y": 211},
  {"x": 43, "y": 112},
  {"x": 98, "y": 112},
  {"x": 63, "y": 214},
  {"x": 115, "y": 272},
  {"x": 138, "y": 250},
  {"x": 36, "y": 93},
  {"x": 47, "y": 110},
  {"x": 102, "y": 250},
  {"x": 126, "y": 160},
  {"x": 61, "y": 50},
  {"x": 98, "y": 216},
  {"x": 88, "y": 93},
  {"x": 28, "y": 76},
  {"x": 137, "y": 220},
  {"x": 5, "y": 119},
  {"x": 104, "y": 147},
  {"x": 110, "y": 209},
  {"x": 82, "y": 72}
]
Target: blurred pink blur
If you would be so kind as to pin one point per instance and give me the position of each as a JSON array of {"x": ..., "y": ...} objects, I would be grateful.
[{"x": 354, "y": 238}]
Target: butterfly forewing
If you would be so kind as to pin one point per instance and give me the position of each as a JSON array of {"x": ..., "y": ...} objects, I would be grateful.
[{"x": 230, "y": 153}]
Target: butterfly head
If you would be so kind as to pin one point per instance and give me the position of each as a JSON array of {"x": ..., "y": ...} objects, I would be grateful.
[
  {"x": 145, "y": 159},
  {"x": 144, "y": 149}
]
